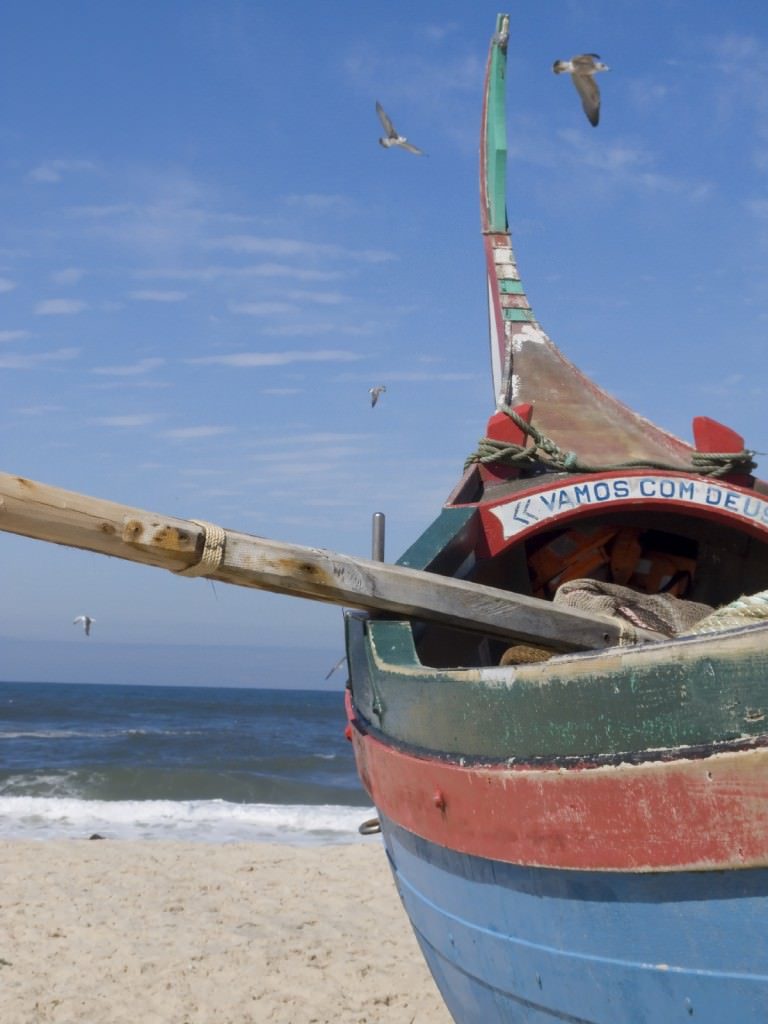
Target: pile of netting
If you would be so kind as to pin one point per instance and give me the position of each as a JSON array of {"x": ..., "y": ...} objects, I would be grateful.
[{"x": 662, "y": 613}]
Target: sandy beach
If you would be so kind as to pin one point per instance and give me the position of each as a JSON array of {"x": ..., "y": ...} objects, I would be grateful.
[{"x": 115, "y": 932}]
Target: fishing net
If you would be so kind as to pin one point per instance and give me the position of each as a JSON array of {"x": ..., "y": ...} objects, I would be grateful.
[{"x": 662, "y": 613}]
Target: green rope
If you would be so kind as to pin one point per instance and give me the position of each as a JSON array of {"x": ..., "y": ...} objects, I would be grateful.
[{"x": 490, "y": 451}]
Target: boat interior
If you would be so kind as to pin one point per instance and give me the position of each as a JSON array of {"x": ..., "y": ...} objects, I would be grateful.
[{"x": 688, "y": 556}]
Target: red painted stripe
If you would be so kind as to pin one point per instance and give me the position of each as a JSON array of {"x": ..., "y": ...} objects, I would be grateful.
[{"x": 702, "y": 814}]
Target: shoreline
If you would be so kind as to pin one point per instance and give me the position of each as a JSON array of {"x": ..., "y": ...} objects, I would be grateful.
[{"x": 171, "y": 932}]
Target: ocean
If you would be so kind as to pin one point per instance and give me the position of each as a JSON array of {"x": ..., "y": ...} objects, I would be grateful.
[{"x": 177, "y": 762}]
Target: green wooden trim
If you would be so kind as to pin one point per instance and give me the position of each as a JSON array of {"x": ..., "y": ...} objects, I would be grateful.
[
  {"x": 496, "y": 139},
  {"x": 393, "y": 642},
  {"x": 622, "y": 702},
  {"x": 508, "y": 286},
  {"x": 437, "y": 537},
  {"x": 520, "y": 315}
]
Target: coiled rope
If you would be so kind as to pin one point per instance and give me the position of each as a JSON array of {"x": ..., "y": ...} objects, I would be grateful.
[
  {"x": 544, "y": 450},
  {"x": 745, "y": 610}
]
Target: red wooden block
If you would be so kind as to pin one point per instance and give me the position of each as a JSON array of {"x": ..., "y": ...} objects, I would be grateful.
[{"x": 502, "y": 428}]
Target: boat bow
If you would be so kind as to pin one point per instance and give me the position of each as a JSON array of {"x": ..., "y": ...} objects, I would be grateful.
[{"x": 528, "y": 368}]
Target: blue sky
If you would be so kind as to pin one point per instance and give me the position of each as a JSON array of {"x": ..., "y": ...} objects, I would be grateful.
[{"x": 206, "y": 260}]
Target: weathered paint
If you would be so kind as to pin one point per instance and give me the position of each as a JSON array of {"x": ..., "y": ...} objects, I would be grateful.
[
  {"x": 502, "y": 427},
  {"x": 642, "y": 703},
  {"x": 494, "y": 151},
  {"x": 517, "y": 944},
  {"x": 524, "y": 315},
  {"x": 707, "y": 813},
  {"x": 450, "y": 530},
  {"x": 508, "y": 286},
  {"x": 545, "y": 506}
]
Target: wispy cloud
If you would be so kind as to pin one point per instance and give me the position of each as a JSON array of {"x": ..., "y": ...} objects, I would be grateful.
[
  {"x": 130, "y": 370},
  {"x": 297, "y": 247},
  {"x": 620, "y": 165},
  {"x": 16, "y": 361},
  {"x": 263, "y": 308},
  {"x": 293, "y": 315},
  {"x": 68, "y": 275},
  {"x": 126, "y": 422},
  {"x": 253, "y": 359},
  {"x": 216, "y": 273},
  {"x": 38, "y": 410},
  {"x": 735, "y": 70},
  {"x": 60, "y": 307},
  {"x": 52, "y": 171},
  {"x": 410, "y": 76},
  {"x": 6, "y": 285},
  {"x": 308, "y": 330},
  {"x": 103, "y": 211},
  {"x": 438, "y": 31},
  {"x": 321, "y": 203},
  {"x": 417, "y": 375},
  {"x": 301, "y": 441},
  {"x": 320, "y": 298},
  {"x": 171, "y": 217},
  {"x": 194, "y": 433},
  {"x": 647, "y": 94},
  {"x": 146, "y": 295},
  {"x": 13, "y": 335}
]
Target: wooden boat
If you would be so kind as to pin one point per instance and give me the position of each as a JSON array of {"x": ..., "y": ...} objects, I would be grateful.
[
  {"x": 573, "y": 797},
  {"x": 578, "y": 837}
]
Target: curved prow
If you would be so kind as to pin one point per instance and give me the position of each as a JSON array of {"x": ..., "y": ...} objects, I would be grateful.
[
  {"x": 494, "y": 145},
  {"x": 528, "y": 369},
  {"x": 507, "y": 302}
]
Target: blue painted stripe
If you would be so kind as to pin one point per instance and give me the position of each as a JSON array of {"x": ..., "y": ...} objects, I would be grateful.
[{"x": 507, "y": 943}]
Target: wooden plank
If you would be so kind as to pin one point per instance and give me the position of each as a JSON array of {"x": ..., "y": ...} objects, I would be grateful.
[{"x": 51, "y": 514}]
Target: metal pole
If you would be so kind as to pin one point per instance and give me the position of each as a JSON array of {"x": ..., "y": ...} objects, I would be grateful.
[{"x": 377, "y": 547}]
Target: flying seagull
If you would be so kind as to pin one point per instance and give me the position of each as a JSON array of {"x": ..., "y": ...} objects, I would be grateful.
[
  {"x": 393, "y": 137},
  {"x": 87, "y": 622},
  {"x": 582, "y": 70},
  {"x": 375, "y": 392}
]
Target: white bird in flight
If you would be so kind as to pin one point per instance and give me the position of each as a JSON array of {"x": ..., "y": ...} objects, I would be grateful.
[
  {"x": 393, "y": 136},
  {"x": 87, "y": 622},
  {"x": 582, "y": 70},
  {"x": 375, "y": 392}
]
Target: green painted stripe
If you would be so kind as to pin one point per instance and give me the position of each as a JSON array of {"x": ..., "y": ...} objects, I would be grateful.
[
  {"x": 520, "y": 315},
  {"x": 496, "y": 140},
  {"x": 694, "y": 694},
  {"x": 438, "y": 539},
  {"x": 510, "y": 287}
]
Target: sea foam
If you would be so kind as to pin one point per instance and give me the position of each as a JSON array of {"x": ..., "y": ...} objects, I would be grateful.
[{"x": 216, "y": 821}]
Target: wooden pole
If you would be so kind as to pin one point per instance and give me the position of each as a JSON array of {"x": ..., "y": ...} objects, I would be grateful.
[{"x": 51, "y": 514}]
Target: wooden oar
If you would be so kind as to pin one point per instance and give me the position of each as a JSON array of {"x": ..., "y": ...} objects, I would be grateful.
[{"x": 180, "y": 545}]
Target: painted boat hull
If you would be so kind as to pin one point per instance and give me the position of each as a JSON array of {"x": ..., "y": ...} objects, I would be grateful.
[
  {"x": 624, "y": 886},
  {"x": 507, "y": 943}
]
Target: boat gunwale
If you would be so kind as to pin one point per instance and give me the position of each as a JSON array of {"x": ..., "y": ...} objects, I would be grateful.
[{"x": 637, "y": 703}]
